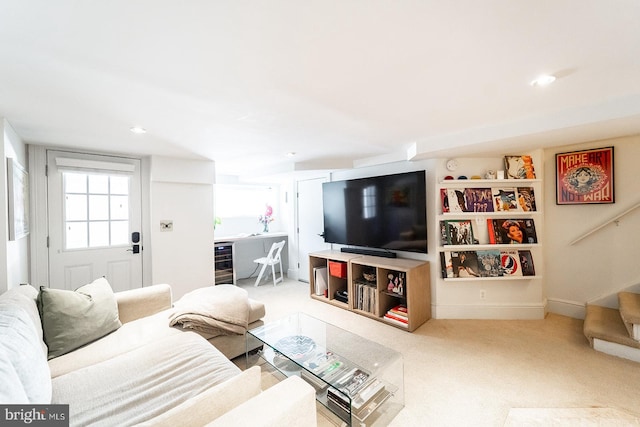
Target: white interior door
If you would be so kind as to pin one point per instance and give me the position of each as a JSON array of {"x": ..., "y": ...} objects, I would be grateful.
[
  {"x": 310, "y": 223},
  {"x": 94, "y": 212}
]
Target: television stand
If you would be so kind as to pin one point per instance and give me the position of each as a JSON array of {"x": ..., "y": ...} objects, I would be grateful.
[
  {"x": 367, "y": 281},
  {"x": 372, "y": 252}
]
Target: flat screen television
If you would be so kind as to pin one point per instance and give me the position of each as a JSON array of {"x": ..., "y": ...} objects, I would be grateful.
[{"x": 386, "y": 212}]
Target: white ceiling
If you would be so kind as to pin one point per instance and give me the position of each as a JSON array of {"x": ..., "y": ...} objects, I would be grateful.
[{"x": 338, "y": 82}]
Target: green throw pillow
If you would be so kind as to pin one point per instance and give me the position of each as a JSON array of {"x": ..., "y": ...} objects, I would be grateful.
[{"x": 71, "y": 319}]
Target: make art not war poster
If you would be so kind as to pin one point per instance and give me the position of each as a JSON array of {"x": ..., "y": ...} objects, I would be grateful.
[{"x": 584, "y": 177}]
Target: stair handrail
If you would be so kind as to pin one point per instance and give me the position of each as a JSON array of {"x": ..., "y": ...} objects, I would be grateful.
[{"x": 614, "y": 219}]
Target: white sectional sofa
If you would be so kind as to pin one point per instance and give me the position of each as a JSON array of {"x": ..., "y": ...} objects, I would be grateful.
[{"x": 142, "y": 373}]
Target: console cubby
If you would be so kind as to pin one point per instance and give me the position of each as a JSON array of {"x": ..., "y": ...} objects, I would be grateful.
[{"x": 334, "y": 284}]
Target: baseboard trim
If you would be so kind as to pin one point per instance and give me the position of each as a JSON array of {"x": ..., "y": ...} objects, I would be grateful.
[
  {"x": 490, "y": 311},
  {"x": 574, "y": 309},
  {"x": 615, "y": 349}
]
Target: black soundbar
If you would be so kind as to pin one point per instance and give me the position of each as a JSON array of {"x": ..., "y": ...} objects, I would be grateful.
[{"x": 372, "y": 252}]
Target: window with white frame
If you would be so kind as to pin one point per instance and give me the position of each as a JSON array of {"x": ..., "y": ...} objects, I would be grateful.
[{"x": 96, "y": 210}]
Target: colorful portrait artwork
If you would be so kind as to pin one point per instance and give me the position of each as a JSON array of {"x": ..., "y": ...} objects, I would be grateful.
[{"x": 584, "y": 177}]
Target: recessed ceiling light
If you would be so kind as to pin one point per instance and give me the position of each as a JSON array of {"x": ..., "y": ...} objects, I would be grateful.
[
  {"x": 291, "y": 153},
  {"x": 543, "y": 80},
  {"x": 138, "y": 129}
]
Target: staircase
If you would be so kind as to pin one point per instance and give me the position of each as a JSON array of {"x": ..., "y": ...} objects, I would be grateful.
[{"x": 615, "y": 331}]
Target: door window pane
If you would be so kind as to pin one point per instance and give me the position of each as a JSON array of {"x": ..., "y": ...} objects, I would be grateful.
[
  {"x": 76, "y": 207},
  {"x": 98, "y": 184},
  {"x": 98, "y": 207},
  {"x": 75, "y": 182},
  {"x": 119, "y": 184},
  {"x": 119, "y": 232},
  {"x": 76, "y": 235},
  {"x": 98, "y": 234},
  {"x": 119, "y": 207}
]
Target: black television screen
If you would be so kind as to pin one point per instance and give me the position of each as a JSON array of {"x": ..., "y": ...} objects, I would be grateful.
[{"x": 386, "y": 212}]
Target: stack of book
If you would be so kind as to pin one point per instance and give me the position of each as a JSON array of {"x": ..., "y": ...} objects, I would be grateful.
[
  {"x": 398, "y": 315},
  {"x": 357, "y": 393}
]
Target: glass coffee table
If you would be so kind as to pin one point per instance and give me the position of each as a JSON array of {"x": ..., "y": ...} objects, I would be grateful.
[{"x": 359, "y": 381}]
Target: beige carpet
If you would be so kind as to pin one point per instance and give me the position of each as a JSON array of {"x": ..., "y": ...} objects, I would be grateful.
[
  {"x": 578, "y": 417},
  {"x": 488, "y": 372}
]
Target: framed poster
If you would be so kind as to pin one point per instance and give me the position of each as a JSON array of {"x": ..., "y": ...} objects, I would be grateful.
[
  {"x": 585, "y": 177},
  {"x": 18, "y": 192}
]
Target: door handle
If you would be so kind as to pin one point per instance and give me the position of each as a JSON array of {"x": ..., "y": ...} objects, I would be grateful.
[{"x": 135, "y": 249}]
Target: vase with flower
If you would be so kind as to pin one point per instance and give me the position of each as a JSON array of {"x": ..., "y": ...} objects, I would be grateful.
[{"x": 266, "y": 218}]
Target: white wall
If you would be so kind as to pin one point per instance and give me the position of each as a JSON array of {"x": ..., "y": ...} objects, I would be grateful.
[
  {"x": 182, "y": 191},
  {"x": 14, "y": 259},
  {"x": 608, "y": 260}
]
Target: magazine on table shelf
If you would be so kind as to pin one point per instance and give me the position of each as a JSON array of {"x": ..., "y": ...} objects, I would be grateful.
[{"x": 367, "y": 394}]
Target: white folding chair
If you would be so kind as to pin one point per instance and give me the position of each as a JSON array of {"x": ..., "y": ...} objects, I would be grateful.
[{"x": 272, "y": 258}]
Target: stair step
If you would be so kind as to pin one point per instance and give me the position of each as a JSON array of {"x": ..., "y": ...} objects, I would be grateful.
[
  {"x": 606, "y": 324},
  {"x": 630, "y": 312}
]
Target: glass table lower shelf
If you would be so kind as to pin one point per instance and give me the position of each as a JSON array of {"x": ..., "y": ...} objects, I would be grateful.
[{"x": 357, "y": 380}]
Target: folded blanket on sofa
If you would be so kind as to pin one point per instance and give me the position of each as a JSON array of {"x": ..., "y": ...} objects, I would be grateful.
[{"x": 214, "y": 310}]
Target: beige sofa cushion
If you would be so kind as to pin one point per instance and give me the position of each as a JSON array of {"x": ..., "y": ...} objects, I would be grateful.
[
  {"x": 141, "y": 302},
  {"x": 71, "y": 319},
  {"x": 291, "y": 402},
  {"x": 128, "y": 337},
  {"x": 144, "y": 383},
  {"x": 213, "y": 403},
  {"x": 256, "y": 310}
]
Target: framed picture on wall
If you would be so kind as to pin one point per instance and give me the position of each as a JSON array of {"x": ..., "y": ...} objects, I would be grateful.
[
  {"x": 585, "y": 177},
  {"x": 18, "y": 195}
]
